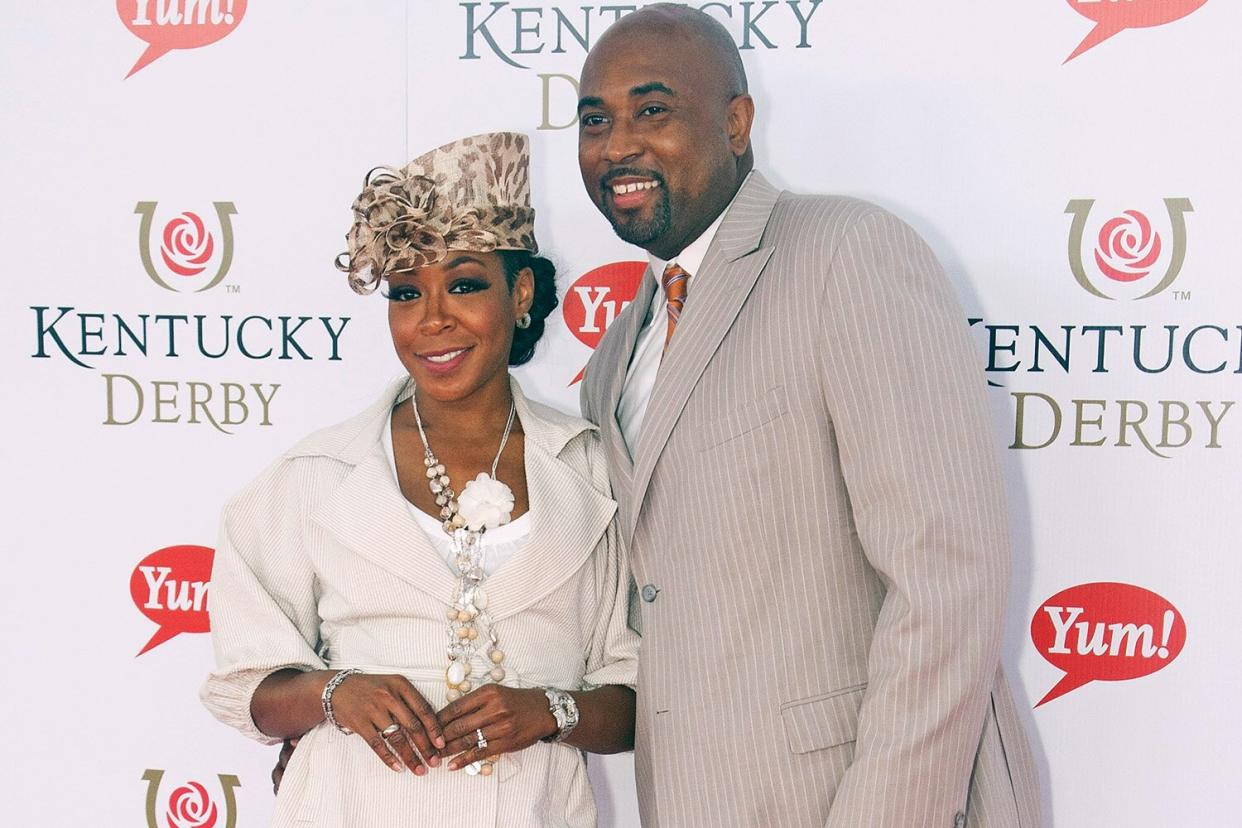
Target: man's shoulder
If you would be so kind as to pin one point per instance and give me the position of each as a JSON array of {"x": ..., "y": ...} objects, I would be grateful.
[{"x": 798, "y": 213}]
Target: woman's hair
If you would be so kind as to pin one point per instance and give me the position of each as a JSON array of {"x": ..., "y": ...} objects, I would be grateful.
[{"x": 544, "y": 303}]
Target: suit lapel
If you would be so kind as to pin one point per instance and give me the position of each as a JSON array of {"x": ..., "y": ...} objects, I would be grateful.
[
  {"x": 369, "y": 515},
  {"x": 569, "y": 517},
  {"x": 630, "y": 325},
  {"x": 717, "y": 293}
]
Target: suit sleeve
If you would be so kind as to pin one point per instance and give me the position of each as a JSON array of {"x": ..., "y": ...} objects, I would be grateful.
[
  {"x": 612, "y": 654},
  {"x": 911, "y": 419},
  {"x": 264, "y": 614}
]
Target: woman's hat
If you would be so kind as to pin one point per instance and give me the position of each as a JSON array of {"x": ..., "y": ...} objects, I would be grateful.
[{"x": 472, "y": 194}]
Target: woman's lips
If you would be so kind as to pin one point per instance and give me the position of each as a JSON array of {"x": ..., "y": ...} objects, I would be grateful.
[{"x": 443, "y": 362}]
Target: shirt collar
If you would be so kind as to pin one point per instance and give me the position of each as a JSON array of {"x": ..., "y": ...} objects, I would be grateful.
[{"x": 691, "y": 257}]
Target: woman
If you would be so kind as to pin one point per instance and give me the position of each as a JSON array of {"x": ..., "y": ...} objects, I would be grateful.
[{"x": 435, "y": 585}]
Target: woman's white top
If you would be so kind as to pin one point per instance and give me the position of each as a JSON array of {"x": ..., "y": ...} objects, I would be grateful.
[{"x": 499, "y": 544}]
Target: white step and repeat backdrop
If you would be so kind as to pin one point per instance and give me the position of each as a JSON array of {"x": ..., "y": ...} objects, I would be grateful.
[{"x": 177, "y": 177}]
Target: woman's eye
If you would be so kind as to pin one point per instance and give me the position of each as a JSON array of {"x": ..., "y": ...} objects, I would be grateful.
[
  {"x": 468, "y": 286},
  {"x": 401, "y": 294}
]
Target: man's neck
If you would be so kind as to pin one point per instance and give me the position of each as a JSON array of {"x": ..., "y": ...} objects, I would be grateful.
[{"x": 690, "y": 255}]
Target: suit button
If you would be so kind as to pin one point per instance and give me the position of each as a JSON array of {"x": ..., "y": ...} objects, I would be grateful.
[
  {"x": 649, "y": 593},
  {"x": 959, "y": 821}
]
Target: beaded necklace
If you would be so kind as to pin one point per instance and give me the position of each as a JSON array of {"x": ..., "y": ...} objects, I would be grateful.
[{"x": 489, "y": 504}]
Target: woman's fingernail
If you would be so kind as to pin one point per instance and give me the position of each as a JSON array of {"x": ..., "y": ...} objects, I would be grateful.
[
  {"x": 439, "y": 741},
  {"x": 397, "y": 766},
  {"x": 434, "y": 761}
]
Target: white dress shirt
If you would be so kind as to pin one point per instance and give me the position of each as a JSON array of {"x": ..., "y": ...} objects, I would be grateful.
[
  {"x": 645, "y": 364},
  {"x": 499, "y": 544}
]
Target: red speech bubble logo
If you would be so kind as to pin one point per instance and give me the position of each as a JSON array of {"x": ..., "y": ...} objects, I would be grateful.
[
  {"x": 1106, "y": 632},
  {"x": 178, "y": 24},
  {"x": 597, "y": 298},
  {"x": 1113, "y": 16},
  {"x": 169, "y": 586}
]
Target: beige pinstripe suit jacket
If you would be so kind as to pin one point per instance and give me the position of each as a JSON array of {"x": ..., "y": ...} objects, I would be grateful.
[
  {"x": 320, "y": 565},
  {"x": 818, "y": 531}
]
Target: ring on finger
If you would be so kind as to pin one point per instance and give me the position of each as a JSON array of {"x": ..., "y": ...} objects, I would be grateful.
[
  {"x": 482, "y": 741},
  {"x": 391, "y": 730}
]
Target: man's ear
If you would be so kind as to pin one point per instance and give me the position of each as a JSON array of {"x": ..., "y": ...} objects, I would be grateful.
[{"x": 741, "y": 115}]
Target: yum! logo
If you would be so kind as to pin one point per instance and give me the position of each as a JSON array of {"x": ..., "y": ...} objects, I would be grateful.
[
  {"x": 1106, "y": 632},
  {"x": 178, "y": 24},
  {"x": 1113, "y": 16},
  {"x": 185, "y": 255},
  {"x": 1125, "y": 255},
  {"x": 170, "y": 586},
  {"x": 597, "y": 298}
]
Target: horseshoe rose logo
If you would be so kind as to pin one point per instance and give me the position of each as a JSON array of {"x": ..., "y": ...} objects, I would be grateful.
[
  {"x": 1127, "y": 247},
  {"x": 190, "y": 807},
  {"x": 186, "y": 247}
]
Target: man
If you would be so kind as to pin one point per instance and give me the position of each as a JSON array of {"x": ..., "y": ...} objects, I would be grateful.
[{"x": 802, "y": 455}]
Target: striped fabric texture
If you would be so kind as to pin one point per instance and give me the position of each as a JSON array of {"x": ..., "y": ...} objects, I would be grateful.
[
  {"x": 675, "y": 282},
  {"x": 818, "y": 535},
  {"x": 320, "y": 565}
]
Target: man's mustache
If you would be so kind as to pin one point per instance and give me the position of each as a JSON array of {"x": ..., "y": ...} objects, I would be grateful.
[{"x": 629, "y": 172}]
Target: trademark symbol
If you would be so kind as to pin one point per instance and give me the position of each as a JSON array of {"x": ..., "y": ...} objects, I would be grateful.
[
  {"x": 232, "y": 288},
  {"x": 1181, "y": 295}
]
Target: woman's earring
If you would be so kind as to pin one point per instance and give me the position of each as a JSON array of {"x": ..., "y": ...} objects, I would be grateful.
[{"x": 523, "y": 321}]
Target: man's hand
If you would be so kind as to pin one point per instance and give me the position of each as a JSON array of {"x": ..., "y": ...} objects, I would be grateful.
[
  {"x": 511, "y": 719},
  {"x": 282, "y": 762}
]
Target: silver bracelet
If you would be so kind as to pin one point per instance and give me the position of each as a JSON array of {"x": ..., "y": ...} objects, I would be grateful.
[
  {"x": 564, "y": 709},
  {"x": 326, "y": 698}
]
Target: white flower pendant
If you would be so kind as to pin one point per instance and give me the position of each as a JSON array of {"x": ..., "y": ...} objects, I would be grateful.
[{"x": 485, "y": 503}]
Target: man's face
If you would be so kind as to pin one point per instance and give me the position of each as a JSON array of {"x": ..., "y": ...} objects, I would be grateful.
[{"x": 653, "y": 139}]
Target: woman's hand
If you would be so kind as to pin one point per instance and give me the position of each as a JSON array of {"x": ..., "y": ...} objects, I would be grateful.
[
  {"x": 282, "y": 762},
  {"x": 367, "y": 704},
  {"x": 511, "y": 719}
]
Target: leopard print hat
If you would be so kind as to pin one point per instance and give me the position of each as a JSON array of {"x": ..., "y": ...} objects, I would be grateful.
[{"x": 472, "y": 194}]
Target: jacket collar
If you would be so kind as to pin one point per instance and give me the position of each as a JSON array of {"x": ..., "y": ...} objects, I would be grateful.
[
  {"x": 369, "y": 515},
  {"x": 733, "y": 264}
]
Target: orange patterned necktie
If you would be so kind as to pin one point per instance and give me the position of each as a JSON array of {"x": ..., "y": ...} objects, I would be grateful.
[{"x": 675, "y": 283}]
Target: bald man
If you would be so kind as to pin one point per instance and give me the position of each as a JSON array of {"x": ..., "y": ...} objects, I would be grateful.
[{"x": 805, "y": 470}]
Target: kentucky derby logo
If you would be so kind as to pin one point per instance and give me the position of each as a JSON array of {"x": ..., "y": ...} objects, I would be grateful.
[
  {"x": 1111, "y": 17},
  {"x": 165, "y": 25},
  {"x": 190, "y": 806},
  {"x": 597, "y": 298},
  {"x": 1129, "y": 258},
  {"x": 189, "y": 255}
]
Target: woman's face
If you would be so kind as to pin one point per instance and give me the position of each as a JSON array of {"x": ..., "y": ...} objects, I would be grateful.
[{"x": 452, "y": 322}]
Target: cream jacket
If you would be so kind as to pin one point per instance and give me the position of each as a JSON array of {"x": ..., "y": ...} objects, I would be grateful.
[{"x": 320, "y": 566}]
